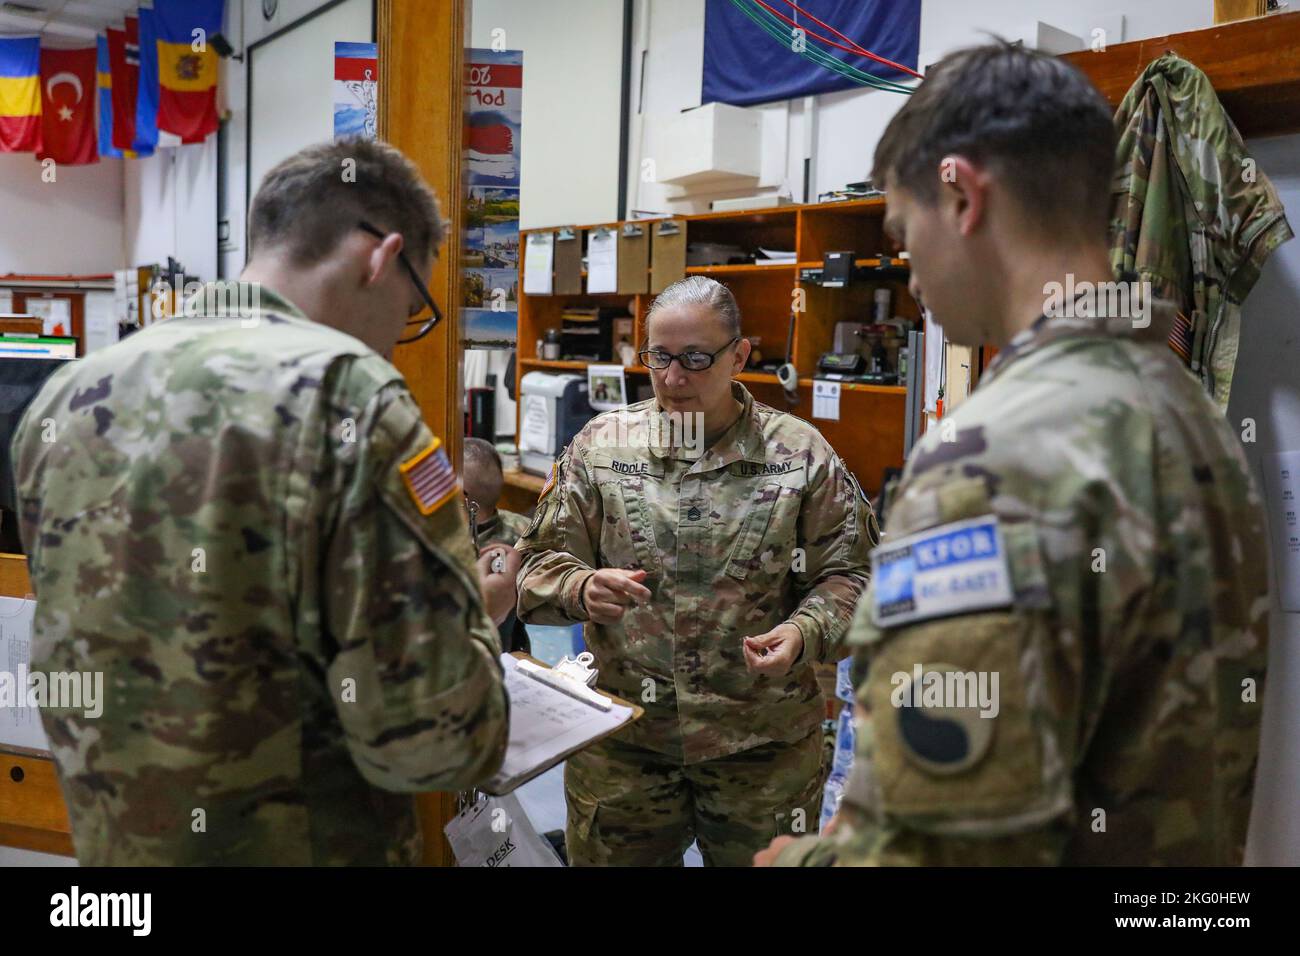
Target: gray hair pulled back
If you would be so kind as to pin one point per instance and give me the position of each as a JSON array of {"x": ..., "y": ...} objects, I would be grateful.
[{"x": 701, "y": 291}]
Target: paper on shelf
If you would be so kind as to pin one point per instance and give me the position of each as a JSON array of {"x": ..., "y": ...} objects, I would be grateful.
[
  {"x": 602, "y": 261},
  {"x": 19, "y": 726},
  {"x": 539, "y": 257}
]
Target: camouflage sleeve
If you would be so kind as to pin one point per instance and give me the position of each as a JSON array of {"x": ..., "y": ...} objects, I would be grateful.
[
  {"x": 559, "y": 548},
  {"x": 837, "y": 529},
  {"x": 416, "y": 678}
]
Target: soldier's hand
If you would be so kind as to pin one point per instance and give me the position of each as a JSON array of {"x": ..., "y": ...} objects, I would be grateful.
[
  {"x": 609, "y": 592},
  {"x": 498, "y": 566},
  {"x": 775, "y": 652},
  {"x": 768, "y": 857}
]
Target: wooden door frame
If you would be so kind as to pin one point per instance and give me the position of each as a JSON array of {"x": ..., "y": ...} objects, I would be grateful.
[{"x": 421, "y": 112}]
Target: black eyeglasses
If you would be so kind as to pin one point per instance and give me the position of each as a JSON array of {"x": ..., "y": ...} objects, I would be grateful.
[
  {"x": 691, "y": 361},
  {"x": 425, "y": 324}
]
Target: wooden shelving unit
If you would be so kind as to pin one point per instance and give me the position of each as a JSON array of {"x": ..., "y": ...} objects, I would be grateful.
[
  {"x": 869, "y": 432},
  {"x": 1254, "y": 66}
]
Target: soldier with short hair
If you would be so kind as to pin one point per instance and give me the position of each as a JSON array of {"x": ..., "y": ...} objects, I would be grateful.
[
  {"x": 240, "y": 518},
  {"x": 484, "y": 481},
  {"x": 1060, "y": 657},
  {"x": 715, "y": 547}
]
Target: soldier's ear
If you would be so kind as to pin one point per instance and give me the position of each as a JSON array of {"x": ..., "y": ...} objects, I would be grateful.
[
  {"x": 743, "y": 348},
  {"x": 383, "y": 257}
]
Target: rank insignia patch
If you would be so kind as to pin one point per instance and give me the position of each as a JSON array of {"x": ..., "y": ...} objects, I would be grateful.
[{"x": 429, "y": 478}]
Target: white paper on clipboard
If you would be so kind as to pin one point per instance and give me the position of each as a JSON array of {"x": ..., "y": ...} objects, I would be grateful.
[
  {"x": 602, "y": 261},
  {"x": 539, "y": 263}
]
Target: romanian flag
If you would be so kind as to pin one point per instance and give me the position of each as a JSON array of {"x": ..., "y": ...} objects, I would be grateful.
[
  {"x": 105, "y": 84},
  {"x": 146, "y": 100},
  {"x": 20, "y": 94},
  {"x": 187, "y": 66}
]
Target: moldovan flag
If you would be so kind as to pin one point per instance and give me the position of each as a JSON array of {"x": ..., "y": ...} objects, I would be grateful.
[
  {"x": 124, "y": 65},
  {"x": 20, "y": 94},
  {"x": 187, "y": 66},
  {"x": 105, "y": 77},
  {"x": 68, "y": 106}
]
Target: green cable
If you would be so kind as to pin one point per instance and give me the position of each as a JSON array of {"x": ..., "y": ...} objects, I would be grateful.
[
  {"x": 779, "y": 30},
  {"x": 783, "y": 33}
]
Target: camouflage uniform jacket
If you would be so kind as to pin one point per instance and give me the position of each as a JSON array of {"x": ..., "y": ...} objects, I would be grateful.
[
  {"x": 766, "y": 526},
  {"x": 1131, "y": 654},
  {"x": 289, "y": 643},
  {"x": 504, "y": 527},
  {"x": 1191, "y": 213}
]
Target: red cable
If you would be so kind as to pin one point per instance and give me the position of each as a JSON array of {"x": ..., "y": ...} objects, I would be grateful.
[{"x": 853, "y": 49}]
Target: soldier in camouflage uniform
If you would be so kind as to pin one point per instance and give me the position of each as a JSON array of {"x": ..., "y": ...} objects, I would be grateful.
[
  {"x": 240, "y": 518},
  {"x": 1083, "y": 530},
  {"x": 713, "y": 566},
  {"x": 483, "y": 483},
  {"x": 493, "y": 526}
]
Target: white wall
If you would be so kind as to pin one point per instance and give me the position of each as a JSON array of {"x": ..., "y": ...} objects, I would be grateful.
[
  {"x": 569, "y": 144},
  {"x": 246, "y": 26},
  {"x": 72, "y": 226},
  {"x": 171, "y": 208},
  {"x": 1265, "y": 389}
]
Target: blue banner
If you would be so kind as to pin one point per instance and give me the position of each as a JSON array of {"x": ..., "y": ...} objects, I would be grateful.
[
  {"x": 744, "y": 65},
  {"x": 146, "y": 100}
]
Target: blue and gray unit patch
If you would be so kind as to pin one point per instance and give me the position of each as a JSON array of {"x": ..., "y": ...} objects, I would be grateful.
[{"x": 947, "y": 570}]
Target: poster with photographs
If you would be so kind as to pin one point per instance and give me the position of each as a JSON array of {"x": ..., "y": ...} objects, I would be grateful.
[
  {"x": 356, "y": 94},
  {"x": 490, "y": 286}
]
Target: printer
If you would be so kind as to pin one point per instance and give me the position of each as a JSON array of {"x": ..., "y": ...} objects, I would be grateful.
[{"x": 552, "y": 409}]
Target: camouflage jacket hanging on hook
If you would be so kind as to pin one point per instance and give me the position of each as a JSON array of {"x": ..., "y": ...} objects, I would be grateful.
[{"x": 1191, "y": 213}]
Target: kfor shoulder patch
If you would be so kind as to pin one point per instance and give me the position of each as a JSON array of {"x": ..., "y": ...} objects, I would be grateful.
[
  {"x": 950, "y": 569},
  {"x": 429, "y": 478}
]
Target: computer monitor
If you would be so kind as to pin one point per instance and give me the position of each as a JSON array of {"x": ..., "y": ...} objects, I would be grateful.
[{"x": 26, "y": 361}]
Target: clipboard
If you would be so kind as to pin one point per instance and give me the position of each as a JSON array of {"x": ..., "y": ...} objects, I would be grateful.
[
  {"x": 568, "y": 262},
  {"x": 667, "y": 254},
  {"x": 633, "y": 259},
  {"x": 506, "y": 781}
]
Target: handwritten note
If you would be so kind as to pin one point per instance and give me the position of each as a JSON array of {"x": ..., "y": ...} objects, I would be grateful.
[{"x": 545, "y": 725}]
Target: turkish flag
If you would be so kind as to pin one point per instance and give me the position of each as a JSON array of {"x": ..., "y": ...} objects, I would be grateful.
[{"x": 68, "y": 94}]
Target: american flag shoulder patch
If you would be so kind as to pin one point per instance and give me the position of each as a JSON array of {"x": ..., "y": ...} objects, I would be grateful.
[
  {"x": 429, "y": 478},
  {"x": 550, "y": 481}
]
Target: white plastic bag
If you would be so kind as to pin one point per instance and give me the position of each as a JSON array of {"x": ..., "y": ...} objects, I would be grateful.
[{"x": 495, "y": 831}]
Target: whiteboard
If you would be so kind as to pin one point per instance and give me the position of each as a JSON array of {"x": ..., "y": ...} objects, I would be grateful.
[{"x": 291, "y": 86}]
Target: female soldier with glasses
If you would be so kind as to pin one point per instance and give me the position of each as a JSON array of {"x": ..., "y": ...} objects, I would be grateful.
[{"x": 711, "y": 575}]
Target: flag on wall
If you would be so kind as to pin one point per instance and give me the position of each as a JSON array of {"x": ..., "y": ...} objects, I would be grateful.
[
  {"x": 744, "y": 65},
  {"x": 20, "y": 94},
  {"x": 146, "y": 100},
  {"x": 124, "y": 65},
  {"x": 68, "y": 88},
  {"x": 187, "y": 66},
  {"x": 105, "y": 78}
]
